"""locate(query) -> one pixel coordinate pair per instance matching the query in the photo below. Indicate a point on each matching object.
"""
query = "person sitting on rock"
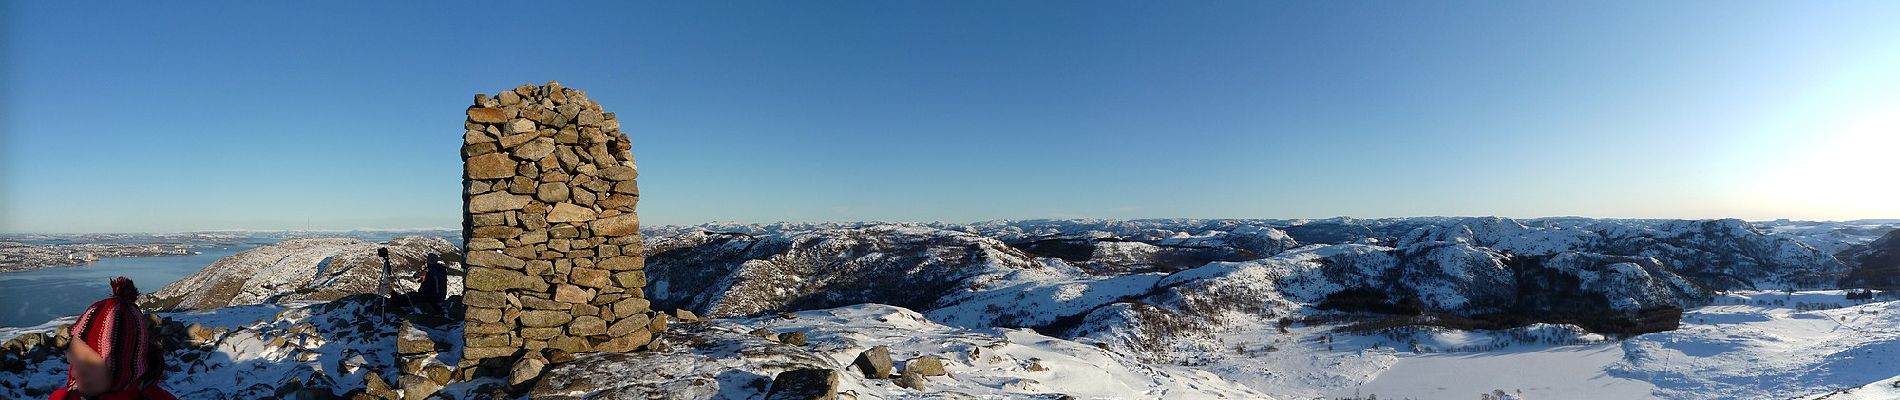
(112, 355)
(435, 281)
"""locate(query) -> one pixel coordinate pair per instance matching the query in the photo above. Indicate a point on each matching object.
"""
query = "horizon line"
(1341, 217)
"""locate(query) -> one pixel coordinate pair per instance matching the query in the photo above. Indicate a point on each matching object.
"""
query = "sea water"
(34, 297)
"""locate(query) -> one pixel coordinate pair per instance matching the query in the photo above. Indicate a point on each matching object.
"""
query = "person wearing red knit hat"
(111, 354)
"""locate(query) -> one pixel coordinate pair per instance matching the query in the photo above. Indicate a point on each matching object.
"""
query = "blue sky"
(272, 115)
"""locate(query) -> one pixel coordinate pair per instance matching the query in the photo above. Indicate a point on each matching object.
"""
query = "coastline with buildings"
(18, 256)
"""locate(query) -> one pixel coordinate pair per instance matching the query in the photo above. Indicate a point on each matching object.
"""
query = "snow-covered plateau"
(1422, 308)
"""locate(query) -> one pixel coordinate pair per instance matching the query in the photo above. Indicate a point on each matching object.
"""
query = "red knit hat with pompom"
(116, 329)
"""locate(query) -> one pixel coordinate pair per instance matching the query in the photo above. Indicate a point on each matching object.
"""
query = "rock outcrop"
(1875, 264)
(300, 270)
(717, 359)
(707, 363)
(721, 274)
(804, 384)
(874, 363)
(1113, 280)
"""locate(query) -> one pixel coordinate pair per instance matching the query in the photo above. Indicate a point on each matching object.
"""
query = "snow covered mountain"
(731, 274)
(1116, 284)
(300, 269)
(995, 273)
(1830, 236)
(1429, 308)
(1876, 263)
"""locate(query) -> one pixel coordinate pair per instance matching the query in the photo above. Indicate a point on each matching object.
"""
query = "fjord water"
(34, 297)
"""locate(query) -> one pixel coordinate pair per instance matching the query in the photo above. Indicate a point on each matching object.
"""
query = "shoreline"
(16, 256)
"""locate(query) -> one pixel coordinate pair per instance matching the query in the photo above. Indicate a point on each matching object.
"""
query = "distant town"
(26, 252)
(18, 256)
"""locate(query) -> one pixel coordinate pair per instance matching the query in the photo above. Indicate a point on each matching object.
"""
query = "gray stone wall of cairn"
(554, 254)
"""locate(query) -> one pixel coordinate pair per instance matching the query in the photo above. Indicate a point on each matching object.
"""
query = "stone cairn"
(555, 262)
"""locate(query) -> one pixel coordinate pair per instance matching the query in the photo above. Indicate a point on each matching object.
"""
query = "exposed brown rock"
(926, 366)
(568, 212)
(489, 166)
(589, 277)
(911, 380)
(621, 225)
(573, 344)
(526, 369)
(411, 340)
(630, 306)
(766, 333)
(545, 318)
(792, 338)
(629, 342)
(874, 363)
(497, 201)
(518, 126)
(619, 201)
(804, 384)
(571, 294)
(483, 314)
(473, 353)
(619, 173)
(587, 325)
(511, 141)
(487, 115)
(374, 385)
(537, 303)
(542, 333)
(535, 150)
(686, 315)
(494, 259)
(657, 323)
(494, 279)
(552, 192)
(622, 263)
(633, 279)
(628, 325)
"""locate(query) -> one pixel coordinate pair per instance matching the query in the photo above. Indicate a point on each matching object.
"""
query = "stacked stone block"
(554, 253)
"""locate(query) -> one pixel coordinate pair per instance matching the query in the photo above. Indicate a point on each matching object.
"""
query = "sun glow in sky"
(1849, 169)
(286, 115)
(1837, 146)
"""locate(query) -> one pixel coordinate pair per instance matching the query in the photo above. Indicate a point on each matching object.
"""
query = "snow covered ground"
(1737, 349)
(11, 332)
(1886, 389)
(996, 361)
(257, 351)
(1752, 351)
(1750, 345)
(719, 360)
(1536, 372)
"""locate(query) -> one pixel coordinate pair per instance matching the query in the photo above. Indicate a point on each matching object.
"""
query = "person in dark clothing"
(112, 355)
(435, 281)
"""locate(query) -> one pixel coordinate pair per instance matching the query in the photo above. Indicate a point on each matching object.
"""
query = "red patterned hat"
(116, 329)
